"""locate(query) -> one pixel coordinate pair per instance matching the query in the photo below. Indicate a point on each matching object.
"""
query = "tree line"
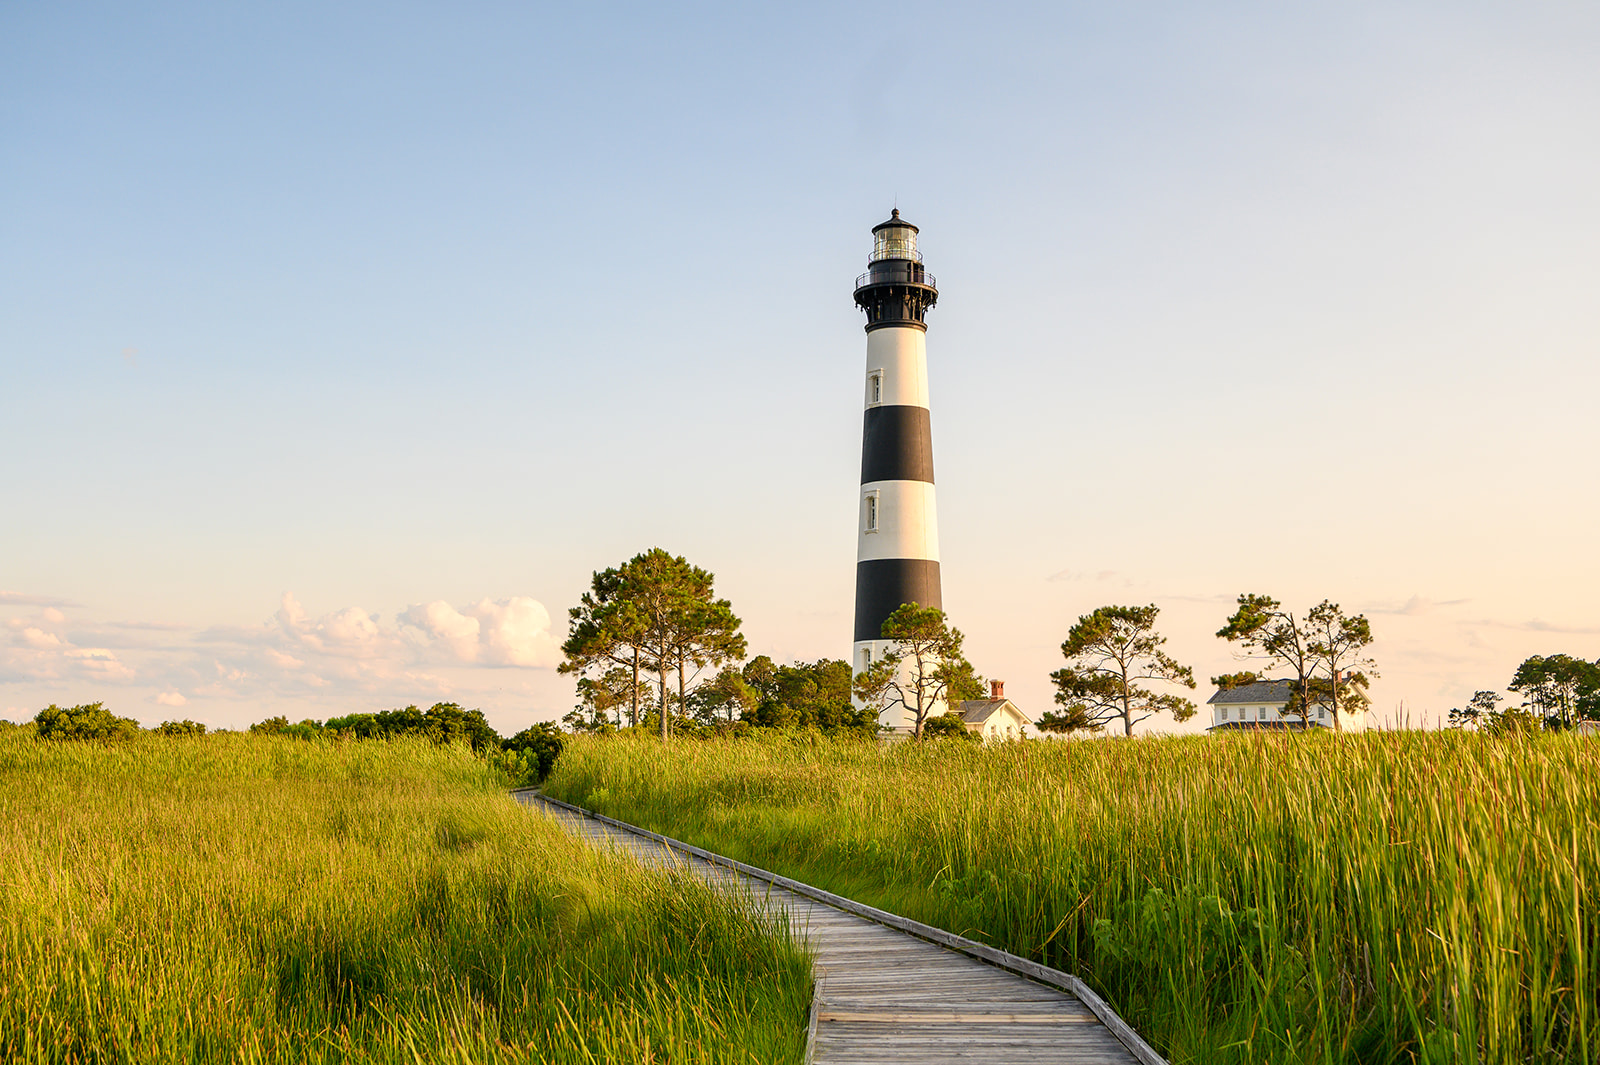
(526, 757)
(1558, 692)
(653, 648)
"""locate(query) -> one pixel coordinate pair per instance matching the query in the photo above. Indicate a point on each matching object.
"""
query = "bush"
(181, 728)
(538, 747)
(948, 725)
(441, 722)
(279, 726)
(271, 726)
(92, 721)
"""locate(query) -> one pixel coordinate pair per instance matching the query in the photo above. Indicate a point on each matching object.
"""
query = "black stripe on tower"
(897, 444)
(883, 585)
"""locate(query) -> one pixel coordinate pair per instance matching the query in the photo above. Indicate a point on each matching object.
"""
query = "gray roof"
(977, 711)
(1262, 691)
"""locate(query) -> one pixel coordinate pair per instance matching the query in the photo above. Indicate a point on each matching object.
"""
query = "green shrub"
(279, 726)
(91, 721)
(441, 723)
(181, 728)
(949, 726)
(538, 747)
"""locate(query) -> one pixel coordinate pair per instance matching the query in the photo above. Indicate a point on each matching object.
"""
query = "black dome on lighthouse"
(895, 220)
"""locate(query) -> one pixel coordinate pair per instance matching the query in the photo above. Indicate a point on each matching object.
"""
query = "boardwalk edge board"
(811, 1024)
(1001, 959)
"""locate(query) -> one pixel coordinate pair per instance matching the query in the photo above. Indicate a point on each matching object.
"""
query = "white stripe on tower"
(897, 540)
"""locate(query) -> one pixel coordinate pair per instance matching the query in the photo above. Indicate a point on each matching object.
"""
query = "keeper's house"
(994, 718)
(1264, 705)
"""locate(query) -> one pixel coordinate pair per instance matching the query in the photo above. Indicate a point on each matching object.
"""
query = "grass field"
(265, 899)
(1399, 897)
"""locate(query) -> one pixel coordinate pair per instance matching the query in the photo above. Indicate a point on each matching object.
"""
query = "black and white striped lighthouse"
(897, 531)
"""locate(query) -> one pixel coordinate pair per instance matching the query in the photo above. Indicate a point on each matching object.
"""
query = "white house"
(1263, 705)
(994, 718)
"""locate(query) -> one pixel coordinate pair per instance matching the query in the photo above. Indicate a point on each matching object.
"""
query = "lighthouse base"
(896, 720)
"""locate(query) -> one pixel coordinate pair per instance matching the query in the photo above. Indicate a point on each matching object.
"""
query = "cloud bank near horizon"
(336, 662)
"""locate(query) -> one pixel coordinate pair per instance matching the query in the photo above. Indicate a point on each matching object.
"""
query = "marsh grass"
(262, 899)
(1393, 897)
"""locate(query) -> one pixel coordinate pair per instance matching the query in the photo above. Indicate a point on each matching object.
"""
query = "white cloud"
(351, 654)
(34, 653)
(515, 632)
(439, 621)
(171, 699)
(40, 640)
(100, 663)
(349, 633)
(492, 632)
(281, 660)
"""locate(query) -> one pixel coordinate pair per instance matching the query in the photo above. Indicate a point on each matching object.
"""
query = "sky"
(340, 344)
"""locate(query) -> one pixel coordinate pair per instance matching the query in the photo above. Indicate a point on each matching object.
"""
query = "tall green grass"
(1398, 897)
(263, 899)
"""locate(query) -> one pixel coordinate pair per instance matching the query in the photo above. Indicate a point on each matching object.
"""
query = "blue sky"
(417, 315)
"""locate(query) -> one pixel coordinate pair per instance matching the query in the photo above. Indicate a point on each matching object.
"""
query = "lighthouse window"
(872, 512)
(875, 387)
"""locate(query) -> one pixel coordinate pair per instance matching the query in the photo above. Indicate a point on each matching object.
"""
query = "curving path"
(893, 990)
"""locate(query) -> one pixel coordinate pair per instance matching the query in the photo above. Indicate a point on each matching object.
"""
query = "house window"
(875, 387)
(871, 516)
(1224, 713)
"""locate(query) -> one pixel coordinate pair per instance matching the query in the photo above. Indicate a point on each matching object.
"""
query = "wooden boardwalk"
(892, 990)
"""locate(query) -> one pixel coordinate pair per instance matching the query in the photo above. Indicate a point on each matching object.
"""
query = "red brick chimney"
(997, 690)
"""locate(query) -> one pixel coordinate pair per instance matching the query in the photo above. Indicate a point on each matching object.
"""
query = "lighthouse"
(897, 531)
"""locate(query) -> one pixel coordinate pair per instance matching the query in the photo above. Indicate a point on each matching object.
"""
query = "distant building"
(1264, 706)
(994, 718)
